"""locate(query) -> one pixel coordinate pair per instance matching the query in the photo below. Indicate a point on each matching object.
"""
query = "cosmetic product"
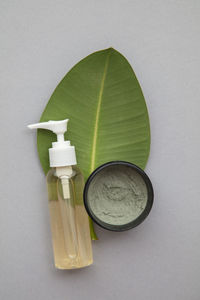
(69, 219)
(118, 195)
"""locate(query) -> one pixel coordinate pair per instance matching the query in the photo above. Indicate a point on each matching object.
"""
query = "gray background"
(40, 41)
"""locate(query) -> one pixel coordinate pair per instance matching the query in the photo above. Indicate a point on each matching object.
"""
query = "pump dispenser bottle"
(69, 220)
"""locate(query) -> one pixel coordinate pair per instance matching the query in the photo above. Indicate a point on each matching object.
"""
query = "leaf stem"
(92, 232)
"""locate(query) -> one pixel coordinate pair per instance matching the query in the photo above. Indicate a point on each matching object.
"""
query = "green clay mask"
(117, 195)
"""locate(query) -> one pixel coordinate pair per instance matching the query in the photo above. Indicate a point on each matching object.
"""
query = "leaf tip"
(110, 49)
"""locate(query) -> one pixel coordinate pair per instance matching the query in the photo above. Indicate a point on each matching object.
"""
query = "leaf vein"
(94, 143)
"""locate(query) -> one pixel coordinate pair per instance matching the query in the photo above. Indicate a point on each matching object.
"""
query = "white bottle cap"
(62, 153)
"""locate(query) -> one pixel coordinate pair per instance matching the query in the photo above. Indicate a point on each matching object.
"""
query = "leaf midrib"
(96, 125)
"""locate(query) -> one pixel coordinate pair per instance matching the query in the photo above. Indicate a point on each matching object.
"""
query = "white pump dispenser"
(62, 153)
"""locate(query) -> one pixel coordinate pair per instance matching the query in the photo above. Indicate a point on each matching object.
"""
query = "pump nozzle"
(62, 153)
(58, 127)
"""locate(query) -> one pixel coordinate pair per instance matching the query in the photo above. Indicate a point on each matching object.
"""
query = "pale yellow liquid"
(69, 223)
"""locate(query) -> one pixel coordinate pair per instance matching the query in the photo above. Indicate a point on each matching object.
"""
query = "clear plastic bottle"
(69, 221)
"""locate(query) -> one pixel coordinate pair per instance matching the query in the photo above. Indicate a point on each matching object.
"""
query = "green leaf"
(108, 116)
